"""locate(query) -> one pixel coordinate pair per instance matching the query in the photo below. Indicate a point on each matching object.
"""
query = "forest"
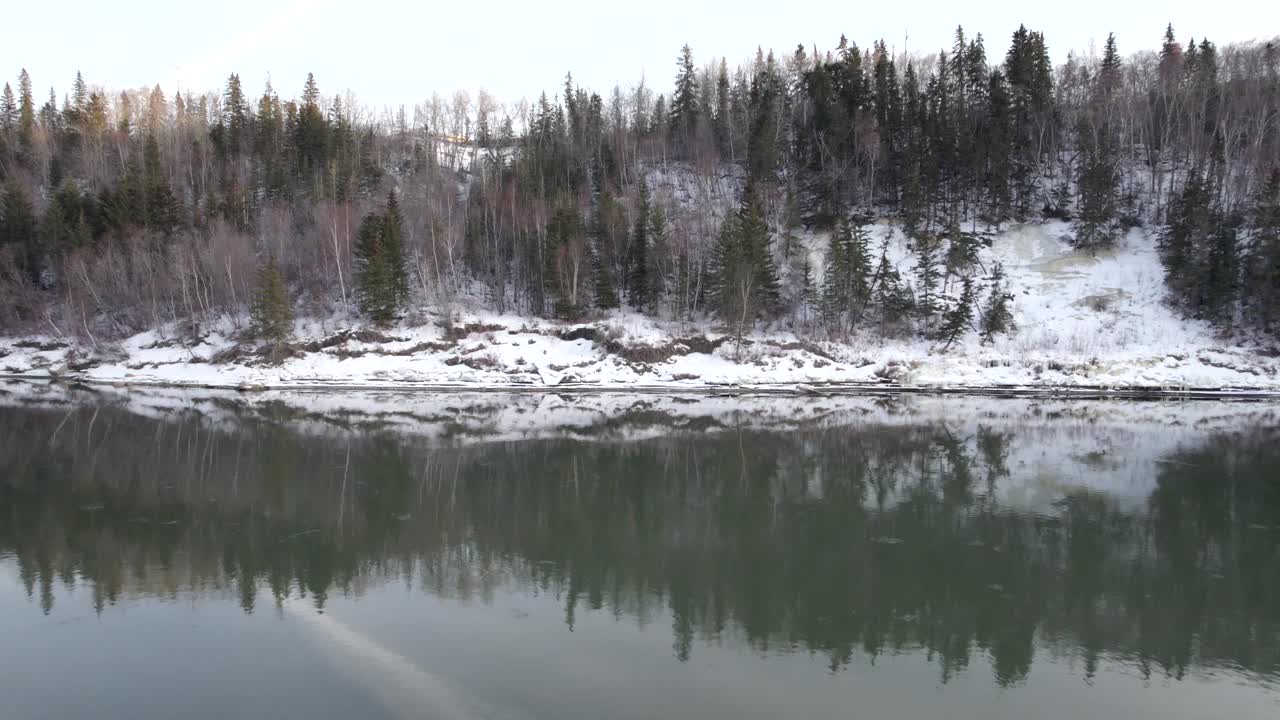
(124, 210)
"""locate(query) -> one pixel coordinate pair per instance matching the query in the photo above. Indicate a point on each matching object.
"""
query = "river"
(380, 555)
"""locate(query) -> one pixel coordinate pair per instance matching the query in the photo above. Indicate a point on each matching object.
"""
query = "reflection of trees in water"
(838, 541)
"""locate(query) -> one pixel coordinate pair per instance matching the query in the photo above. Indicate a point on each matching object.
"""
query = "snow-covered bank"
(1083, 322)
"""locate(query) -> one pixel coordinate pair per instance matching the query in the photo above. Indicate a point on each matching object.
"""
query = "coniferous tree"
(657, 280)
(606, 293)
(26, 114)
(376, 290)
(684, 102)
(1098, 178)
(808, 290)
(393, 242)
(1262, 278)
(161, 210)
(18, 231)
(997, 145)
(997, 317)
(8, 126)
(962, 250)
(1184, 239)
(758, 246)
(958, 318)
(835, 288)
(893, 298)
(271, 313)
(762, 145)
(724, 119)
(927, 281)
(638, 258)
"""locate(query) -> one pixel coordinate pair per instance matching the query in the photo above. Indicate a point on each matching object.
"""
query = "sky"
(391, 53)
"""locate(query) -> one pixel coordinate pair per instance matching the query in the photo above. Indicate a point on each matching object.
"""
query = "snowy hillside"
(1081, 322)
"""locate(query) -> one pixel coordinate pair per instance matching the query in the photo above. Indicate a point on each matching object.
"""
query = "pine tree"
(758, 246)
(1262, 279)
(723, 119)
(962, 250)
(996, 314)
(762, 145)
(684, 103)
(235, 114)
(808, 290)
(18, 230)
(657, 283)
(958, 318)
(927, 281)
(8, 122)
(1191, 220)
(846, 288)
(998, 145)
(730, 270)
(835, 279)
(26, 114)
(393, 243)
(637, 279)
(375, 280)
(162, 211)
(858, 266)
(1222, 270)
(892, 297)
(271, 313)
(606, 293)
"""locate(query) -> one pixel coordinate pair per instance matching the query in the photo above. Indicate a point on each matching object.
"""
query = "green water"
(509, 557)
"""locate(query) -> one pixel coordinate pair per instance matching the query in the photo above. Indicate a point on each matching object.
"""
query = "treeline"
(124, 211)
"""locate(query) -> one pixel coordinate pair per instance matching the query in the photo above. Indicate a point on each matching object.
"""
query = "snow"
(1082, 322)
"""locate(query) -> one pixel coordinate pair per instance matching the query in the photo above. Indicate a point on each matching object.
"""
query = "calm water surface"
(182, 555)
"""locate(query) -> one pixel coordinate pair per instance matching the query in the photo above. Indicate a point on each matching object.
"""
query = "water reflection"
(997, 539)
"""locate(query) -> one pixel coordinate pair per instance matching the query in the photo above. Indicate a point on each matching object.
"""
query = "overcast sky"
(388, 54)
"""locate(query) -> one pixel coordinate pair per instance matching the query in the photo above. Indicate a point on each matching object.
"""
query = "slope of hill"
(1082, 322)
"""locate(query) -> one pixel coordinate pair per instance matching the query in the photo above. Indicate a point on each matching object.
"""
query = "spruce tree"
(731, 274)
(1262, 279)
(997, 317)
(375, 282)
(271, 313)
(959, 317)
(19, 231)
(637, 279)
(161, 209)
(858, 266)
(606, 294)
(1184, 238)
(1095, 226)
(927, 281)
(723, 119)
(656, 281)
(758, 246)
(393, 242)
(835, 279)
(962, 250)
(684, 102)
(892, 297)
(26, 114)
(808, 291)
(8, 124)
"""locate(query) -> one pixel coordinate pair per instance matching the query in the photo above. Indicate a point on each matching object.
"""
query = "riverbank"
(1084, 324)
(628, 354)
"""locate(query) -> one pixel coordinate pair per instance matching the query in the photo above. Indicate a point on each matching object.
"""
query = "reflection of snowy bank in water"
(1032, 452)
